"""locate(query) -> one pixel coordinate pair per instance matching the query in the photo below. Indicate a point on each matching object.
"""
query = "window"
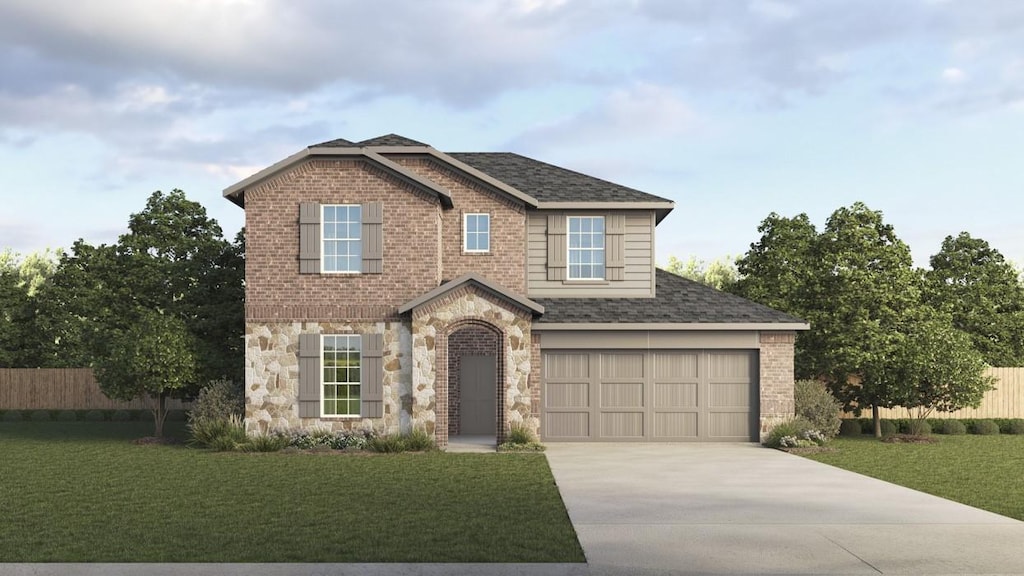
(342, 227)
(586, 247)
(341, 364)
(476, 233)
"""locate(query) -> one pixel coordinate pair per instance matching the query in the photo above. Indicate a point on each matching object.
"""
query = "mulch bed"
(910, 439)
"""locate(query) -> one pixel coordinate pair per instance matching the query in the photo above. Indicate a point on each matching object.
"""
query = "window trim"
(323, 245)
(323, 399)
(465, 233)
(568, 250)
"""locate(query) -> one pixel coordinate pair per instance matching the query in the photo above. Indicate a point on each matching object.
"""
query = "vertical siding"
(638, 273)
(1006, 401)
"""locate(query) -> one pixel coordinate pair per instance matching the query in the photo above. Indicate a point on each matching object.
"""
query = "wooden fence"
(1006, 401)
(62, 389)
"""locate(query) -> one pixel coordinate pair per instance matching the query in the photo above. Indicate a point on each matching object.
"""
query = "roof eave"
(471, 278)
(660, 208)
(677, 326)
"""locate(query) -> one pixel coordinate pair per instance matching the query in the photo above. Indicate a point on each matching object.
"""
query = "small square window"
(476, 233)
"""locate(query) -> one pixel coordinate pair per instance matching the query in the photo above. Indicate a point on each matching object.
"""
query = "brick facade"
(776, 374)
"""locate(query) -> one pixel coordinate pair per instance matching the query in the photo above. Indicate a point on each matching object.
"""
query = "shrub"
(419, 441)
(12, 416)
(121, 416)
(1016, 426)
(795, 433)
(67, 416)
(220, 399)
(388, 443)
(889, 428)
(954, 427)
(528, 447)
(266, 443)
(815, 403)
(94, 416)
(221, 434)
(985, 427)
(40, 416)
(520, 434)
(850, 428)
(918, 428)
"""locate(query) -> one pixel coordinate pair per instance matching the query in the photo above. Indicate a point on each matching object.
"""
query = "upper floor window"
(476, 233)
(586, 247)
(342, 229)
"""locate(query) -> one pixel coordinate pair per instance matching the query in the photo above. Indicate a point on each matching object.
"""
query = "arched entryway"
(475, 371)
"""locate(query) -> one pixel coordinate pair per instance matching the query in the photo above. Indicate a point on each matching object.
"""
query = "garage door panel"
(568, 395)
(566, 366)
(675, 395)
(677, 425)
(567, 425)
(622, 394)
(622, 425)
(730, 395)
(733, 366)
(675, 365)
(733, 425)
(622, 366)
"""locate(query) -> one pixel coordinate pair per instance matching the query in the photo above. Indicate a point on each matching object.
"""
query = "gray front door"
(477, 387)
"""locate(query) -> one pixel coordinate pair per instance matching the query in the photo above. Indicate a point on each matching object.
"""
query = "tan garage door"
(670, 395)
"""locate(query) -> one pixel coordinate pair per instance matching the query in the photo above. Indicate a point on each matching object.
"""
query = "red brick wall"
(505, 264)
(274, 287)
(776, 367)
(469, 341)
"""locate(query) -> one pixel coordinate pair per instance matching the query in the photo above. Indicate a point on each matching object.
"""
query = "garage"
(650, 395)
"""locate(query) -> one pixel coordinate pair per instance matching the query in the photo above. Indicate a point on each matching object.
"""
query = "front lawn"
(81, 492)
(980, 471)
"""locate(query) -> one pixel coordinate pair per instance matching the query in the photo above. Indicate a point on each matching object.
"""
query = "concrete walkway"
(743, 509)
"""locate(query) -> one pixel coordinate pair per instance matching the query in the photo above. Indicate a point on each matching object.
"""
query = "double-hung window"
(586, 248)
(342, 238)
(341, 366)
(476, 235)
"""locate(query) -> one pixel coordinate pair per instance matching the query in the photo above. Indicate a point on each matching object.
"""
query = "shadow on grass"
(88, 431)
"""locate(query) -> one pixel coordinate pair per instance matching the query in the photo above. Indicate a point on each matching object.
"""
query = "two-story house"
(393, 286)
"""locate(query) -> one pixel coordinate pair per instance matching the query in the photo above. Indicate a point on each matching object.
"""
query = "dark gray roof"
(385, 140)
(550, 183)
(678, 301)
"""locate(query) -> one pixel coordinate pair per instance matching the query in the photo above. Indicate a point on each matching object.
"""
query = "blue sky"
(733, 109)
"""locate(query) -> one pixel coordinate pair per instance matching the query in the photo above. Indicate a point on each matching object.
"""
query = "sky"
(732, 109)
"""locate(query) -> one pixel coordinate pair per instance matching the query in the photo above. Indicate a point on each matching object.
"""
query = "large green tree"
(13, 300)
(983, 293)
(154, 358)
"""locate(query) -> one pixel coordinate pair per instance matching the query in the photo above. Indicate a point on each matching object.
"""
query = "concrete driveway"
(744, 509)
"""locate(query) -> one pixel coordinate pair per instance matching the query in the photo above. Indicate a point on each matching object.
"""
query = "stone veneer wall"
(776, 378)
(272, 376)
(469, 341)
(434, 322)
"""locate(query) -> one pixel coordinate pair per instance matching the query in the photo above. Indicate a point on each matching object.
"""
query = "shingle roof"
(385, 140)
(678, 301)
(550, 183)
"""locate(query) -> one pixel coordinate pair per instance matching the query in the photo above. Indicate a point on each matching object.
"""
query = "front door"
(477, 386)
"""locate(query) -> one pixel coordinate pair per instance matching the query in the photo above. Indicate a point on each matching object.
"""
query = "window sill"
(586, 282)
(477, 253)
(337, 417)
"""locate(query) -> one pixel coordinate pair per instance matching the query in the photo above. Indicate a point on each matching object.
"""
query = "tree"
(778, 269)
(863, 286)
(720, 273)
(12, 303)
(937, 368)
(983, 292)
(153, 358)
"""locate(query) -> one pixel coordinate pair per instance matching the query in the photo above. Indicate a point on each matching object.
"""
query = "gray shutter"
(309, 238)
(615, 247)
(309, 376)
(373, 238)
(371, 377)
(556, 247)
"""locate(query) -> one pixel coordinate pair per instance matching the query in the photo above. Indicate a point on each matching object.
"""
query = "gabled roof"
(385, 140)
(679, 301)
(473, 279)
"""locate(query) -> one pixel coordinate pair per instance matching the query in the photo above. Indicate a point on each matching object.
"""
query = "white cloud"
(953, 75)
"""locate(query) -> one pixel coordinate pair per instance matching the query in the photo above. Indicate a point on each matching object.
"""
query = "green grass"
(980, 471)
(81, 492)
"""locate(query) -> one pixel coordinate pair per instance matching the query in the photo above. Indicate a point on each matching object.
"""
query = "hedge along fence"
(63, 389)
(1006, 401)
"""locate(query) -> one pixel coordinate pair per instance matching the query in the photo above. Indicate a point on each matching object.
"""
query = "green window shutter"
(309, 238)
(615, 246)
(310, 378)
(371, 376)
(556, 247)
(373, 238)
